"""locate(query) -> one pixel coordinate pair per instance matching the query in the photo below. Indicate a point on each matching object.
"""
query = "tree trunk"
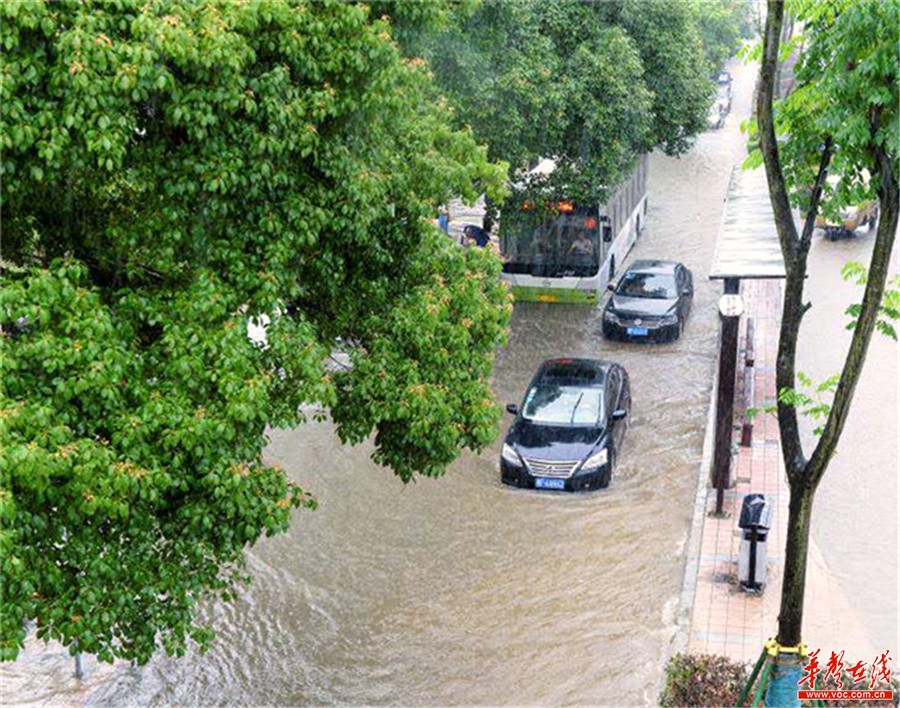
(790, 615)
(804, 474)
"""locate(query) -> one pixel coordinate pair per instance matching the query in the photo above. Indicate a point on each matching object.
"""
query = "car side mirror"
(619, 414)
(512, 408)
(611, 288)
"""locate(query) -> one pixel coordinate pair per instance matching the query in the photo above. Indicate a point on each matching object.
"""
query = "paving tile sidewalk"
(723, 618)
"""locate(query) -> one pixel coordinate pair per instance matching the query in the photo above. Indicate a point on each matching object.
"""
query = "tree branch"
(792, 250)
(781, 206)
(816, 195)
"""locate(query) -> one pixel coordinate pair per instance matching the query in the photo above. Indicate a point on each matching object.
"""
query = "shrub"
(703, 680)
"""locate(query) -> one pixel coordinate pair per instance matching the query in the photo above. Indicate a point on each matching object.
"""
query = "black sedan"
(569, 428)
(650, 303)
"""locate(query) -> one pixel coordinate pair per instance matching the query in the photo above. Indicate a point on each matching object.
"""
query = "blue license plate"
(545, 483)
(637, 331)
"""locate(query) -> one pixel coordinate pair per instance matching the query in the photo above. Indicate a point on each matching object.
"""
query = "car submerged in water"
(650, 303)
(569, 428)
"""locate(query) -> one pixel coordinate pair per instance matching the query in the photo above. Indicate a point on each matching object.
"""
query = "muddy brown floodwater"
(459, 590)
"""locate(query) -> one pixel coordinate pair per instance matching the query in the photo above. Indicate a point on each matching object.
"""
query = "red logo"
(877, 672)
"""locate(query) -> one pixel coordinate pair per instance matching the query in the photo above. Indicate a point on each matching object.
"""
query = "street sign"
(731, 306)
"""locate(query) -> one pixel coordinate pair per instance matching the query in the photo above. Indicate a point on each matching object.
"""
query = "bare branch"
(816, 195)
(781, 206)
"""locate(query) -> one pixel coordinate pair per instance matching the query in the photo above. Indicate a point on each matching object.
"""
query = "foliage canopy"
(590, 84)
(170, 172)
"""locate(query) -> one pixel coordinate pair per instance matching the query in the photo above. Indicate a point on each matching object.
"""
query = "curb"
(684, 612)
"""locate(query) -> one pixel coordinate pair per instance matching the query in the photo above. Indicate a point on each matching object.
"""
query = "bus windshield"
(561, 244)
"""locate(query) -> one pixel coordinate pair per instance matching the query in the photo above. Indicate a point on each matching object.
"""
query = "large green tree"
(503, 76)
(172, 171)
(676, 71)
(842, 119)
(530, 86)
(722, 25)
(591, 84)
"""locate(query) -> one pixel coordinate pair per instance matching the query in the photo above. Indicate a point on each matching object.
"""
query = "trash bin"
(755, 522)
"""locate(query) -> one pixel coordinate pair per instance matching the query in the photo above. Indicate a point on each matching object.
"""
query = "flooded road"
(459, 590)
(855, 522)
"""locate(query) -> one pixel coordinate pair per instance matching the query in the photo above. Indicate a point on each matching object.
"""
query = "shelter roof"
(748, 245)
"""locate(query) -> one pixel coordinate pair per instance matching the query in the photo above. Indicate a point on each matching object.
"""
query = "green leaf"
(135, 405)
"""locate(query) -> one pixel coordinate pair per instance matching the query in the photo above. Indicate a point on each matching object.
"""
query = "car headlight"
(610, 316)
(598, 459)
(510, 455)
(669, 320)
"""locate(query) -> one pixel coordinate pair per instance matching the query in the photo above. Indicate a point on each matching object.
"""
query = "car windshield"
(564, 405)
(650, 285)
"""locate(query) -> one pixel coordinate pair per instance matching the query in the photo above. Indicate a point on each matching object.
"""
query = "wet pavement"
(459, 590)
(724, 618)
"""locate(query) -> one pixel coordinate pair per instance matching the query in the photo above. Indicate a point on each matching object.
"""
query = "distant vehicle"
(715, 118)
(570, 427)
(650, 303)
(563, 251)
(851, 219)
(723, 100)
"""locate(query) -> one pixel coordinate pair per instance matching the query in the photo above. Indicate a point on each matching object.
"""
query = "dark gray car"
(650, 303)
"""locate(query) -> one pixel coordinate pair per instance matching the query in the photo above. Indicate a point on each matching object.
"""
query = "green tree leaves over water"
(723, 24)
(589, 84)
(171, 171)
(847, 92)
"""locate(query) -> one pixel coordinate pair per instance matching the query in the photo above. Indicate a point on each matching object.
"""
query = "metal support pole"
(763, 655)
(732, 286)
(754, 539)
(730, 309)
(762, 685)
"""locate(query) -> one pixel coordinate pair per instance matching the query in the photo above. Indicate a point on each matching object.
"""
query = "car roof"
(573, 372)
(653, 266)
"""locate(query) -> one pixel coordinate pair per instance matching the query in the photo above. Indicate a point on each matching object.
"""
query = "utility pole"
(730, 309)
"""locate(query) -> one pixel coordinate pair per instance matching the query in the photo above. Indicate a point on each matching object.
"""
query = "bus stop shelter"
(747, 248)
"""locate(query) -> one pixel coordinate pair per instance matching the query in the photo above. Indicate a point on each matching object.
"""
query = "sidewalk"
(723, 618)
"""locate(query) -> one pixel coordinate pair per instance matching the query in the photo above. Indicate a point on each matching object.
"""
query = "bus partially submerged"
(567, 251)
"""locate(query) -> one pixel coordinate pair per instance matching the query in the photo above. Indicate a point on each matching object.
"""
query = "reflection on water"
(460, 590)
